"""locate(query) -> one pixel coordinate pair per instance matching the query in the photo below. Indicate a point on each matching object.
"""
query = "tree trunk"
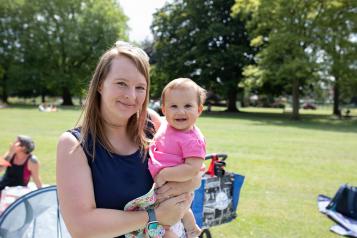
(336, 98)
(67, 97)
(4, 95)
(242, 99)
(232, 99)
(296, 99)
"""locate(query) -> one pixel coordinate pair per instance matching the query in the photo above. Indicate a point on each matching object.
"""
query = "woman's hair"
(92, 122)
(26, 142)
(185, 83)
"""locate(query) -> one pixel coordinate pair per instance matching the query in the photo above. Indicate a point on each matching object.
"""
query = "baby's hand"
(159, 180)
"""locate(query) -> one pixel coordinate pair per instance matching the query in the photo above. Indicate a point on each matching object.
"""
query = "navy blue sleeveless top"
(117, 179)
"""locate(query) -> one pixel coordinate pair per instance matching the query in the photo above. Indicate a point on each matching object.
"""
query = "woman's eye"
(141, 88)
(121, 84)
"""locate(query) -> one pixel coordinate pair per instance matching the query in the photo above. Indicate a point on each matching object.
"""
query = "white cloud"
(140, 17)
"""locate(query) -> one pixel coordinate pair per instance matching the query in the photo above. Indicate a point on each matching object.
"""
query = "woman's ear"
(100, 88)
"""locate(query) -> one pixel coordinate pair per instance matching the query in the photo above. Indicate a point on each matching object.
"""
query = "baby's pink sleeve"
(194, 148)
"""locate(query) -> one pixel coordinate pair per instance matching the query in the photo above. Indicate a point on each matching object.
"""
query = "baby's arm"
(180, 173)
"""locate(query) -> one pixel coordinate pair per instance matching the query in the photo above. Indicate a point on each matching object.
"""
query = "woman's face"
(123, 91)
(17, 146)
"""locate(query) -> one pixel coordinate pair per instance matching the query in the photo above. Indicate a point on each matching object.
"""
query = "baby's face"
(181, 108)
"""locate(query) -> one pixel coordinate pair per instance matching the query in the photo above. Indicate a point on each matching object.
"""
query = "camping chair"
(36, 214)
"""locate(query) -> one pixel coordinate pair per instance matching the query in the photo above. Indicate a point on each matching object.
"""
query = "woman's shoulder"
(33, 158)
(68, 139)
(68, 146)
(76, 132)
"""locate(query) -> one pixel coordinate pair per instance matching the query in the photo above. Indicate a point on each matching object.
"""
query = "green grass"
(286, 163)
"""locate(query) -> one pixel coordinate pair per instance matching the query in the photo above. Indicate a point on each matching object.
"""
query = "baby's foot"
(194, 232)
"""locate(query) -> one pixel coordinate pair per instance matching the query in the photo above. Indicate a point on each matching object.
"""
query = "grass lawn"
(286, 163)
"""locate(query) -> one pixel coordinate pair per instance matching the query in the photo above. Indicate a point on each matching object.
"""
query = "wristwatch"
(152, 227)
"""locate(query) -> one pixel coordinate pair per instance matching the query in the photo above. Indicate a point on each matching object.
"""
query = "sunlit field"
(286, 163)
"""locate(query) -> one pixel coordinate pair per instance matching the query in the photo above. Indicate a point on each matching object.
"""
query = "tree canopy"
(201, 40)
(298, 41)
(51, 47)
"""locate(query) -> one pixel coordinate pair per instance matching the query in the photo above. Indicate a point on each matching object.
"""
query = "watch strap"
(153, 228)
(152, 215)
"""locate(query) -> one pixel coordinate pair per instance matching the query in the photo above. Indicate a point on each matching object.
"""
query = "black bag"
(345, 201)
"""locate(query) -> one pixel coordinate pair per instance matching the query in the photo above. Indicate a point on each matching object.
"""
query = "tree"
(200, 40)
(336, 34)
(299, 40)
(283, 31)
(10, 25)
(61, 40)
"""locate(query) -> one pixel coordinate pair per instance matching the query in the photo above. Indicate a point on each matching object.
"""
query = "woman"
(109, 168)
(21, 164)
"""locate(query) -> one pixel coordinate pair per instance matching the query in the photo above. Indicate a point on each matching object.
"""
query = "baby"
(178, 148)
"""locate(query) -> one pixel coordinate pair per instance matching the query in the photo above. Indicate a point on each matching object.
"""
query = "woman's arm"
(8, 155)
(34, 167)
(77, 203)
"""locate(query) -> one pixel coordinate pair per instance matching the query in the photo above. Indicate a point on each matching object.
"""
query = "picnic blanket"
(345, 226)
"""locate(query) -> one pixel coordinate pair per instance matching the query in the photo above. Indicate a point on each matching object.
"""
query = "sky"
(140, 17)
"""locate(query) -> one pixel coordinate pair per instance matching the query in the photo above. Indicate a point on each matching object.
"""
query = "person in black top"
(102, 164)
(20, 164)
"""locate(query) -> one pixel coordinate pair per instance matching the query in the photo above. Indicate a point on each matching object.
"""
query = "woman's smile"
(130, 105)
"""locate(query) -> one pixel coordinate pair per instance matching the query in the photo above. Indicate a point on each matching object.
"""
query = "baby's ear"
(163, 109)
(200, 108)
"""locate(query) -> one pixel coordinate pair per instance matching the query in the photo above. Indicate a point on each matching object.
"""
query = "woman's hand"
(12, 148)
(170, 211)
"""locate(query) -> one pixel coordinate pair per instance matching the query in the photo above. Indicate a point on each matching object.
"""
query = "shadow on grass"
(314, 122)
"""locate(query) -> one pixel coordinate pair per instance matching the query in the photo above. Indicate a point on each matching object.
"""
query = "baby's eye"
(188, 106)
(173, 106)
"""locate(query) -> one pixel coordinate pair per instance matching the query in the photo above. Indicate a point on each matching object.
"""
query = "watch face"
(152, 225)
(155, 230)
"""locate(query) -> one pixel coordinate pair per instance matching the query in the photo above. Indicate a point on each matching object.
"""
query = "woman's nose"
(130, 93)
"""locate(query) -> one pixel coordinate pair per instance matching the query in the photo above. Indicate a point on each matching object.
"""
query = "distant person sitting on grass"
(2, 105)
(20, 164)
(44, 108)
(52, 108)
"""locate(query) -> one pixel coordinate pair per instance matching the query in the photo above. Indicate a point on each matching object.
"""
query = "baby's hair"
(182, 83)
